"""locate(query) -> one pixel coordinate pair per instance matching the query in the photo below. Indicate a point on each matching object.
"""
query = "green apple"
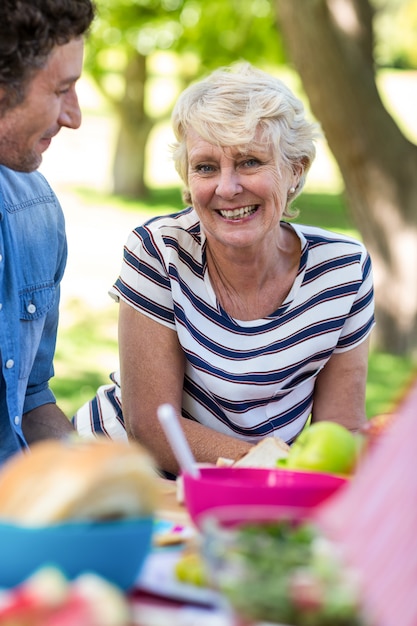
(324, 447)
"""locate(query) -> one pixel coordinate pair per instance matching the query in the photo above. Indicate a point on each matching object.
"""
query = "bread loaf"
(78, 479)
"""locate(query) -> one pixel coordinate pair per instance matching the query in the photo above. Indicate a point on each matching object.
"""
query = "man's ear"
(3, 100)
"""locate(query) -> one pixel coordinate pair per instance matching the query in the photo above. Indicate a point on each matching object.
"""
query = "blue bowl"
(114, 550)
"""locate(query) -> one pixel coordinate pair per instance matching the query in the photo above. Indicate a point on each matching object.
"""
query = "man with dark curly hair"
(41, 55)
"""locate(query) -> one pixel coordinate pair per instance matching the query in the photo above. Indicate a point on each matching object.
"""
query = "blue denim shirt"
(33, 254)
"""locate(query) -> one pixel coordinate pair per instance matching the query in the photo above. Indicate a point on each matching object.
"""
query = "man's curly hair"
(29, 30)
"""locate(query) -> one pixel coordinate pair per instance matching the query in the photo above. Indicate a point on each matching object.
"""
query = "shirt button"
(31, 308)
(17, 420)
(1, 258)
(9, 363)
(1, 306)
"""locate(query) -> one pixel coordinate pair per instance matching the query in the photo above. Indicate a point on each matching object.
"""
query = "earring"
(292, 190)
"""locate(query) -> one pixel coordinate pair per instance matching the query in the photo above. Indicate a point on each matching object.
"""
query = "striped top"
(249, 379)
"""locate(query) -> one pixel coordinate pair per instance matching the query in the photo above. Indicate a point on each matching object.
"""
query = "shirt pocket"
(36, 301)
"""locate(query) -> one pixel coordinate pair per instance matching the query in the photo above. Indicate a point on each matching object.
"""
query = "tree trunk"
(129, 159)
(330, 43)
(135, 127)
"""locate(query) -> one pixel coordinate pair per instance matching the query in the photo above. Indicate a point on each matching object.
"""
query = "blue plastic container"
(115, 550)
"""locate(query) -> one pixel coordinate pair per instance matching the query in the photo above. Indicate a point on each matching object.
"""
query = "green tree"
(203, 35)
(332, 45)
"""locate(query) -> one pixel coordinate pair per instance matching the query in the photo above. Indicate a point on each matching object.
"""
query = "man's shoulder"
(20, 187)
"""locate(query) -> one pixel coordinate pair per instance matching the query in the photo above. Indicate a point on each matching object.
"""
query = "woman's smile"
(239, 213)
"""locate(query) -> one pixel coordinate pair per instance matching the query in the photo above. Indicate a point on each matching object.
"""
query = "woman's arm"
(341, 386)
(152, 373)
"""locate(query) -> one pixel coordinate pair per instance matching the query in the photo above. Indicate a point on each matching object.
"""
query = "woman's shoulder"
(184, 220)
(316, 236)
(174, 230)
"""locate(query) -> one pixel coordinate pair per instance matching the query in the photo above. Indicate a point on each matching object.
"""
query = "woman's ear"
(298, 168)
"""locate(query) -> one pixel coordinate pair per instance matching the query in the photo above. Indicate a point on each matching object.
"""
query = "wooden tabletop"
(170, 507)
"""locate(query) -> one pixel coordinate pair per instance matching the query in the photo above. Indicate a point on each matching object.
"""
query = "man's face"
(50, 103)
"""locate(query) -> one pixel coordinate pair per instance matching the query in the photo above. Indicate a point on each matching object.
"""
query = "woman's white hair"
(231, 104)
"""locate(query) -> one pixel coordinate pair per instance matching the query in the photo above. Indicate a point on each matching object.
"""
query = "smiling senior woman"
(245, 323)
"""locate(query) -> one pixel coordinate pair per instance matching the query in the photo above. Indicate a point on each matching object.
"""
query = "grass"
(86, 354)
(87, 345)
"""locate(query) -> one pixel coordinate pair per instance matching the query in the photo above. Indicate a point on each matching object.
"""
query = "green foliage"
(214, 31)
(203, 34)
(389, 377)
(227, 31)
(395, 26)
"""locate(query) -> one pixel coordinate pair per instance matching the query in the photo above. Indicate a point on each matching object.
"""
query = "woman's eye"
(204, 168)
(250, 163)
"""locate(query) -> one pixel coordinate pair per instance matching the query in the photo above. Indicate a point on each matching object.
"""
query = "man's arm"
(45, 422)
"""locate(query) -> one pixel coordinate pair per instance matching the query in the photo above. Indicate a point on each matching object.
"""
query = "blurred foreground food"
(375, 428)
(282, 573)
(48, 599)
(78, 479)
(324, 446)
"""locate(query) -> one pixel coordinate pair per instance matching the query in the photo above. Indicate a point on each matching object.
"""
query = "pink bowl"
(236, 495)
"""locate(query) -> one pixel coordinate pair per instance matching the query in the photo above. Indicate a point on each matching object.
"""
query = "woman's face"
(239, 197)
